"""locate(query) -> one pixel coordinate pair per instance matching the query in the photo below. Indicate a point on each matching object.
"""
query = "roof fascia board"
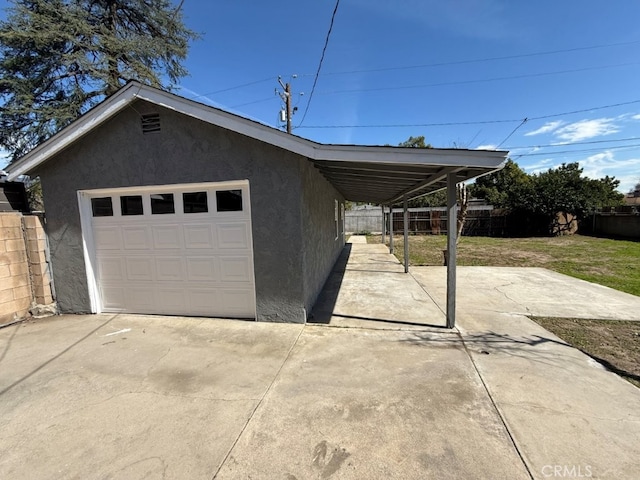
(307, 148)
(409, 156)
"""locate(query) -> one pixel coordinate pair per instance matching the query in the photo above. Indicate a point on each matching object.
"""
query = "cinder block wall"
(24, 274)
(36, 242)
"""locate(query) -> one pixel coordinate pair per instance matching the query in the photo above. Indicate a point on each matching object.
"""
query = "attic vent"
(150, 123)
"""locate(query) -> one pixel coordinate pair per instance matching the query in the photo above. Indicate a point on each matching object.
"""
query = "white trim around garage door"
(89, 241)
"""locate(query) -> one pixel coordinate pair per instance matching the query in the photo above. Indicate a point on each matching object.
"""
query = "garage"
(172, 249)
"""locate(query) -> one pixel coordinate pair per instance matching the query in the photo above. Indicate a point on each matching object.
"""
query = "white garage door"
(174, 249)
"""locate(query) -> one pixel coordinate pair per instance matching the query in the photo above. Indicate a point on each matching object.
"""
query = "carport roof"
(361, 173)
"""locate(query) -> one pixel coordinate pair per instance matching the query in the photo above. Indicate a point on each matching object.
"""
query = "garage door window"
(229, 200)
(195, 202)
(162, 203)
(131, 205)
(102, 207)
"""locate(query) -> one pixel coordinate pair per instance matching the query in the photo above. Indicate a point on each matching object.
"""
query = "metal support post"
(406, 236)
(384, 224)
(452, 217)
(391, 229)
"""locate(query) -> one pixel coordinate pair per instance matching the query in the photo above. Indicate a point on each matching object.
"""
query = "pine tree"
(58, 58)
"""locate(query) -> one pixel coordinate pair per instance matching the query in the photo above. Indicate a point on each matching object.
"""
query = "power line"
(585, 150)
(479, 60)
(481, 80)
(569, 144)
(405, 125)
(234, 88)
(542, 117)
(512, 132)
(324, 49)
(478, 122)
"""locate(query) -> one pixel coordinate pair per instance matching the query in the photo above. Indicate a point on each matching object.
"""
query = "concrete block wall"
(36, 242)
(24, 274)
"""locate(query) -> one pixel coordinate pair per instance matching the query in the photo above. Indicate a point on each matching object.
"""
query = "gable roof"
(367, 173)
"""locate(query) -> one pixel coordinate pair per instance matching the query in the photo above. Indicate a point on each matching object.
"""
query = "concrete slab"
(122, 396)
(529, 291)
(369, 289)
(131, 396)
(358, 403)
(357, 239)
(569, 417)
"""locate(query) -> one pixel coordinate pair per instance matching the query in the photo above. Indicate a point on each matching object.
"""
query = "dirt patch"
(615, 344)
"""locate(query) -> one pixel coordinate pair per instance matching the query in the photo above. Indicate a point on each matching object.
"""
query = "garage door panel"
(202, 269)
(107, 238)
(235, 269)
(140, 269)
(178, 263)
(203, 300)
(141, 297)
(167, 237)
(169, 269)
(233, 235)
(135, 237)
(111, 269)
(198, 236)
(171, 300)
(235, 301)
(113, 298)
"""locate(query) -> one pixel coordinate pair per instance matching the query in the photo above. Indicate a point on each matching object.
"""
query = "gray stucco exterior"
(292, 204)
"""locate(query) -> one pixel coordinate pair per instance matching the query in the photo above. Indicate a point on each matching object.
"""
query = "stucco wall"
(321, 248)
(117, 154)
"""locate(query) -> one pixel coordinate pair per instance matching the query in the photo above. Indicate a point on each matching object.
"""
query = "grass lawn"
(613, 263)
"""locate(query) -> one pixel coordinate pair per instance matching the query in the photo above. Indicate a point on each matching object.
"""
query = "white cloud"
(486, 147)
(585, 129)
(540, 166)
(604, 163)
(546, 128)
(636, 117)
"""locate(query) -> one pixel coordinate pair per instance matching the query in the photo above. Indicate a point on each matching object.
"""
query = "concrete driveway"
(379, 390)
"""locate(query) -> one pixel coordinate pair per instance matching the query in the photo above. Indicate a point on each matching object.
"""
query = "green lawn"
(613, 263)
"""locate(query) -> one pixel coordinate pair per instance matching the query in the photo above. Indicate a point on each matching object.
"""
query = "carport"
(368, 175)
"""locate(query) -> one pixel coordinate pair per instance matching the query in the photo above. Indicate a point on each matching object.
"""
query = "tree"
(58, 58)
(506, 188)
(415, 142)
(542, 196)
(564, 189)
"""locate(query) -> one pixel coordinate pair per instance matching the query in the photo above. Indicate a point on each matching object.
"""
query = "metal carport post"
(391, 229)
(406, 234)
(452, 232)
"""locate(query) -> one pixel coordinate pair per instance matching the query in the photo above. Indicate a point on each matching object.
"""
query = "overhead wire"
(480, 80)
(477, 122)
(580, 151)
(478, 60)
(324, 50)
(568, 144)
(512, 132)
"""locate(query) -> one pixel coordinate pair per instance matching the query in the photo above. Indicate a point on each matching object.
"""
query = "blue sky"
(409, 66)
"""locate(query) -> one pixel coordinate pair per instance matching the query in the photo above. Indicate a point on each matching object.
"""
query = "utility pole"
(288, 111)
